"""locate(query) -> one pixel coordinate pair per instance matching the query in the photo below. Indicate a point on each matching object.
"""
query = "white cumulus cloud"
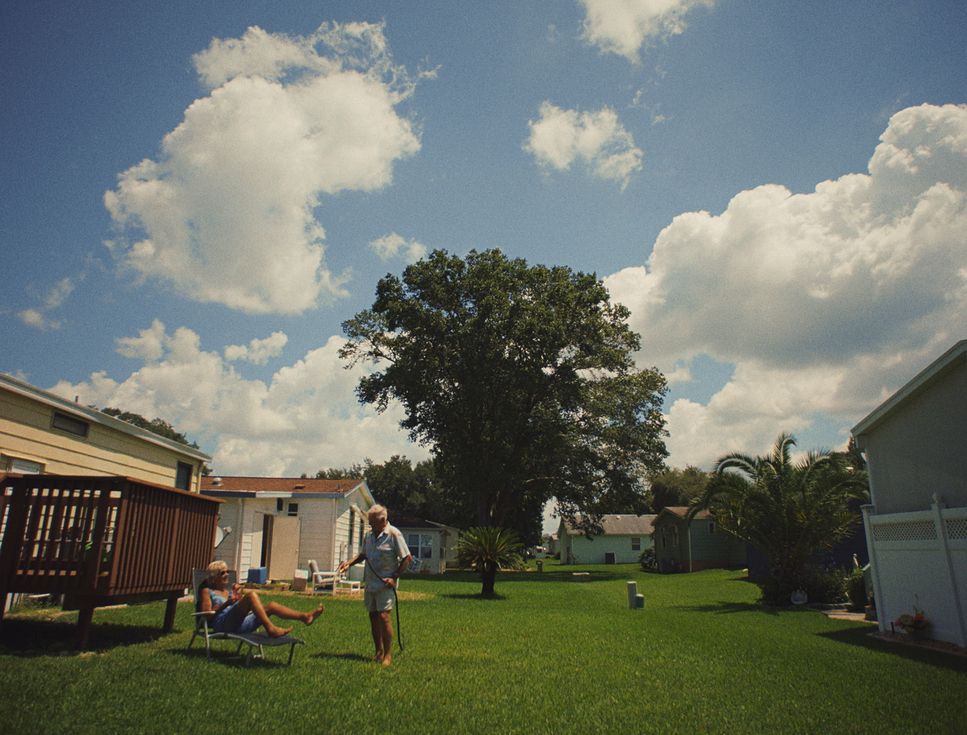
(304, 418)
(225, 214)
(558, 138)
(258, 351)
(825, 301)
(622, 27)
(394, 245)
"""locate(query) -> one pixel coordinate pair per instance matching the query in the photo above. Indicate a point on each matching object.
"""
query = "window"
(711, 527)
(23, 466)
(293, 509)
(421, 545)
(183, 476)
(352, 526)
(279, 505)
(636, 543)
(70, 424)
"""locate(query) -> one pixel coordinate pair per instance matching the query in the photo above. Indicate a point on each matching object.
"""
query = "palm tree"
(487, 549)
(788, 510)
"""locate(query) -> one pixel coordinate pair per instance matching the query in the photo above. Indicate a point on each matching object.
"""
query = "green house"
(689, 545)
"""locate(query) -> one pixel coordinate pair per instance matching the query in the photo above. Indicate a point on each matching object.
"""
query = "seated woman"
(239, 611)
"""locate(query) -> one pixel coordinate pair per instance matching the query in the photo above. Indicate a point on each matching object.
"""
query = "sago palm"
(487, 549)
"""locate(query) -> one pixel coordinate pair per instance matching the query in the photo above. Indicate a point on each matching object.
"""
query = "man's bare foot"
(276, 632)
(311, 617)
(378, 657)
(387, 661)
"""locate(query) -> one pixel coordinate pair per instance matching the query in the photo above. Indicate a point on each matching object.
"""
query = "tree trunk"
(488, 578)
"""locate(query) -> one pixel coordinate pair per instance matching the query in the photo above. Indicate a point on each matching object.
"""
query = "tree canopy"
(156, 425)
(520, 379)
(677, 487)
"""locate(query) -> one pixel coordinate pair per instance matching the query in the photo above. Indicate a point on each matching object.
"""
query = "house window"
(279, 505)
(636, 543)
(183, 476)
(293, 509)
(711, 527)
(352, 526)
(70, 424)
(421, 545)
(23, 466)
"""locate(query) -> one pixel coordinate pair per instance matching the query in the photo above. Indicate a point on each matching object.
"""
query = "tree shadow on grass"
(725, 608)
(474, 596)
(865, 638)
(23, 637)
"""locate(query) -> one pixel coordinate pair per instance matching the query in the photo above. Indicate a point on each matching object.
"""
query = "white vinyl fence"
(920, 559)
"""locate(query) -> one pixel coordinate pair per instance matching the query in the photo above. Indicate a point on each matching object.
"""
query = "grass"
(551, 655)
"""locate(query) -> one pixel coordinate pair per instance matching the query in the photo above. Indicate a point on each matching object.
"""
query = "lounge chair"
(254, 641)
(330, 581)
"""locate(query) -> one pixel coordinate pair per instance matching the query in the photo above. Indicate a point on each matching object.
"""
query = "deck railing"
(100, 540)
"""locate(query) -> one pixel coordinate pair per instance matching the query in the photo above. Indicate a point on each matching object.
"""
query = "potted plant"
(914, 624)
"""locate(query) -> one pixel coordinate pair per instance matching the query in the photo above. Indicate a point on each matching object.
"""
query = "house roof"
(19, 387)
(401, 520)
(956, 355)
(615, 524)
(680, 511)
(279, 487)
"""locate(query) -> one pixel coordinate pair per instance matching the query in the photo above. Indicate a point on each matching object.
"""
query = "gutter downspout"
(240, 537)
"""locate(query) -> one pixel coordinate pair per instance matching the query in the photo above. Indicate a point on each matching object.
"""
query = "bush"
(648, 561)
(856, 589)
(820, 586)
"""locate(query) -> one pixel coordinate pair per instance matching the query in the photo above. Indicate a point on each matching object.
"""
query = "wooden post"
(84, 616)
(12, 544)
(170, 608)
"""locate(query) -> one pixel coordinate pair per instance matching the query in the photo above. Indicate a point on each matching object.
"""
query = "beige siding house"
(40, 432)
(623, 539)
(282, 522)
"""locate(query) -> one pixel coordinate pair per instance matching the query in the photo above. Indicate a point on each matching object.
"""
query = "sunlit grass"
(550, 655)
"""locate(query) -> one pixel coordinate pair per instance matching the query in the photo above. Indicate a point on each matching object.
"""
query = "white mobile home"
(282, 522)
(622, 540)
(916, 526)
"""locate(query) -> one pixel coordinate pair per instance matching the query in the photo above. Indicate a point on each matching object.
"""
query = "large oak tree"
(521, 380)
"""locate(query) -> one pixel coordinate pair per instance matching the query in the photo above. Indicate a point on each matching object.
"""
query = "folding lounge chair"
(329, 581)
(254, 641)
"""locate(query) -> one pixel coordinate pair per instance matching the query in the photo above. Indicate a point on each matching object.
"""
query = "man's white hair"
(376, 511)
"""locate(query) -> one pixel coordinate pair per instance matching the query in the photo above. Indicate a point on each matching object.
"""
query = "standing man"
(387, 557)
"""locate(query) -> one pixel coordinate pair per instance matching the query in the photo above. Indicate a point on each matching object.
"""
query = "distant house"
(915, 444)
(282, 522)
(623, 539)
(433, 545)
(42, 433)
(690, 545)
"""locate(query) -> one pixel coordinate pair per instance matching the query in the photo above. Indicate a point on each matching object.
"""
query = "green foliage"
(677, 487)
(821, 586)
(354, 472)
(648, 561)
(521, 380)
(488, 549)
(155, 426)
(856, 589)
(789, 510)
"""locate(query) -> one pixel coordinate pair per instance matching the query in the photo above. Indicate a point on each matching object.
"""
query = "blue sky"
(194, 196)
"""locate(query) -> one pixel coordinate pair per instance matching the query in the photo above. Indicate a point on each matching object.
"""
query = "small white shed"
(915, 445)
(623, 539)
(283, 522)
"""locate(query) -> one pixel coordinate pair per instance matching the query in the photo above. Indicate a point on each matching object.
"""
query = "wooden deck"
(101, 541)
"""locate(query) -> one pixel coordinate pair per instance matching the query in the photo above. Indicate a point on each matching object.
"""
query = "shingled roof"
(228, 486)
(621, 525)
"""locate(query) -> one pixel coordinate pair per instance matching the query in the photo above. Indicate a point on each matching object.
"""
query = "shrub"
(648, 561)
(820, 586)
(856, 589)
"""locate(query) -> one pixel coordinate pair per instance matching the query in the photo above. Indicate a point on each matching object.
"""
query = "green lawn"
(553, 655)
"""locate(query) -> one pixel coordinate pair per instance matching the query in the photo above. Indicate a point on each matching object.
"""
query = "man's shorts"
(379, 600)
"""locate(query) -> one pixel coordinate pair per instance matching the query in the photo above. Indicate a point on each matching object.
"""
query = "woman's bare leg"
(251, 603)
(281, 611)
